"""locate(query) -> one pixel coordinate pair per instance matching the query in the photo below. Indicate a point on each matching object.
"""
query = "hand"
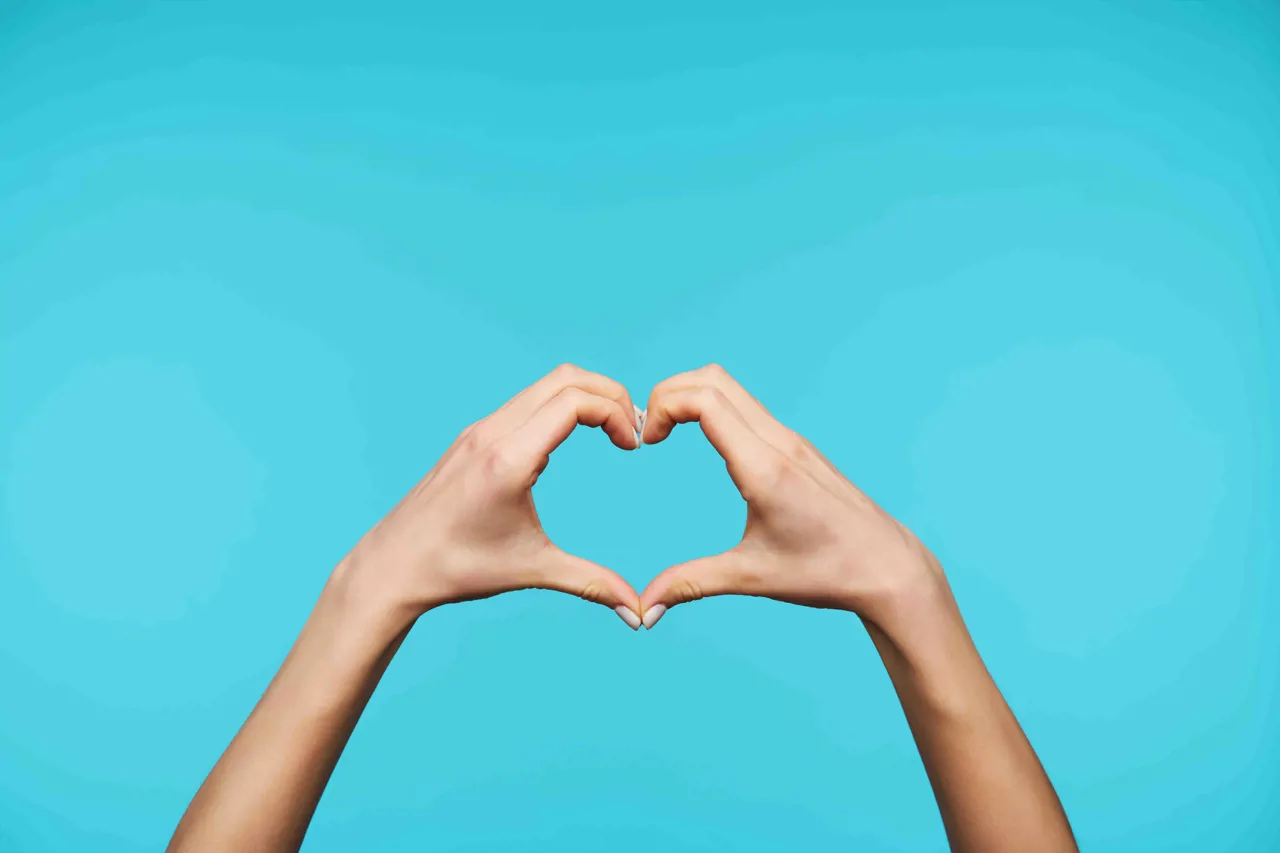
(470, 530)
(811, 538)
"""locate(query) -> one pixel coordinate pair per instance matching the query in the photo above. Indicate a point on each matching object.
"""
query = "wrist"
(342, 650)
(909, 590)
(369, 600)
(912, 600)
(926, 647)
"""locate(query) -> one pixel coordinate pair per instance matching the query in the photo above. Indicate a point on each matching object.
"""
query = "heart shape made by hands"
(811, 536)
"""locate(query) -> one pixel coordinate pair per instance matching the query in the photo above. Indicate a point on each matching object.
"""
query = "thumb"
(718, 575)
(565, 572)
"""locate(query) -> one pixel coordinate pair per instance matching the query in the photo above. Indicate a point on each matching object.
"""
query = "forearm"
(263, 791)
(991, 790)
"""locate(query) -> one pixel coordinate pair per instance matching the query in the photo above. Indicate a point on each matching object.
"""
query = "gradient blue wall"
(1013, 267)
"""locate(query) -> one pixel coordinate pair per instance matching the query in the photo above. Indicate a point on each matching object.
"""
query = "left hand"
(470, 530)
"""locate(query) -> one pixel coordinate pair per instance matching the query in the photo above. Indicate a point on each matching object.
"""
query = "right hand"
(811, 538)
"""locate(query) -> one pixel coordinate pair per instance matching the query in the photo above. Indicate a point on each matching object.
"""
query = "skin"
(469, 530)
(812, 538)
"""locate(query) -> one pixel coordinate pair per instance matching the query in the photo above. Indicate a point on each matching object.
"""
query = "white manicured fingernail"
(639, 413)
(653, 614)
(629, 616)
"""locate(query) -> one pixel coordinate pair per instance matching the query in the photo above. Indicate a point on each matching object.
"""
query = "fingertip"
(653, 614)
(657, 424)
(624, 596)
(641, 417)
(621, 432)
(629, 616)
(623, 438)
(653, 595)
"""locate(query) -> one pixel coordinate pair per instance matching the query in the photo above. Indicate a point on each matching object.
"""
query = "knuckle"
(572, 396)
(686, 589)
(616, 389)
(749, 578)
(662, 389)
(593, 591)
(715, 372)
(472, 438)
(566, 371)
(502, 461)
(709, 397)
(773, 470)
(777, 467)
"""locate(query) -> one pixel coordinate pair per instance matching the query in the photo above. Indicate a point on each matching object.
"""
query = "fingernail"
(653, 614)
(639, 413)
(629, 616)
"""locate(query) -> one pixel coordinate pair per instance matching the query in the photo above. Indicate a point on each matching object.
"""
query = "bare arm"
(813, 538)
(468, 530)
(991, 789)
(262, 792)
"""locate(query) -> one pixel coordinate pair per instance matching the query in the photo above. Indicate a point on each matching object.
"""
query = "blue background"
(1012, 267)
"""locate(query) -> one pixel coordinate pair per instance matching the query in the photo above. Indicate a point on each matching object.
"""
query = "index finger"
(529, 445)
(752, 410)
(524, 405)
(786, 440)
(745, 453)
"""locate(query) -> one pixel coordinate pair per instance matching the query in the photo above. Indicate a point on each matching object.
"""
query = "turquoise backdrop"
(1013, 267)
